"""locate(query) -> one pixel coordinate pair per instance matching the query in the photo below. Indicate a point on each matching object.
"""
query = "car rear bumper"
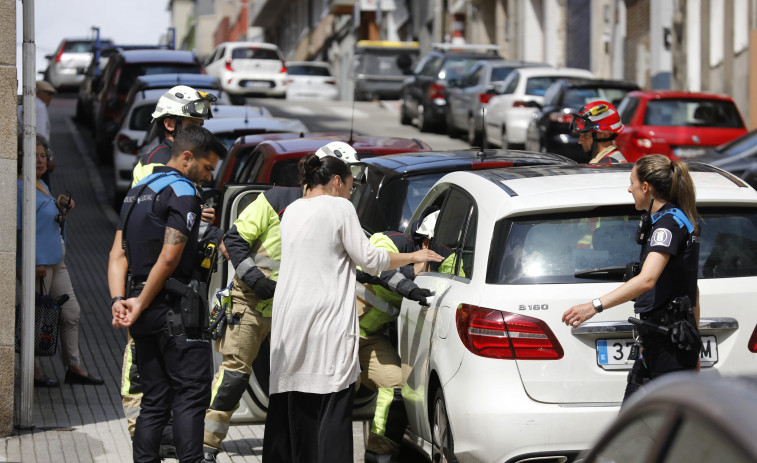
(255, 85)
(384, 89)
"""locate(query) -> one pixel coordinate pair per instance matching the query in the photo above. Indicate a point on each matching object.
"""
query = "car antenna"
(352, 122)
(481, 153)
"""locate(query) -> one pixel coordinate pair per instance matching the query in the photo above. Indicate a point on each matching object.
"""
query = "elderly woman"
(51, 269)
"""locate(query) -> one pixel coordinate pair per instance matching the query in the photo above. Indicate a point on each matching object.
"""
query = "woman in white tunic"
(314, 328)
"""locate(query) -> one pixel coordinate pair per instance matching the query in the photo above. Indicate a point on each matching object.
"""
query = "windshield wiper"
(605, 273)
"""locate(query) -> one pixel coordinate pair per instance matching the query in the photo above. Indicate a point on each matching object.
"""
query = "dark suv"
(423, 93)
(120, 74)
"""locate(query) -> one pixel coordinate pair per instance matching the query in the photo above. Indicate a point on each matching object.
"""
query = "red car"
(680, 125)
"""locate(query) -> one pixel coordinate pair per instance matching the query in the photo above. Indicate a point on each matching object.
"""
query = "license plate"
(689, 152)
(257, 84)
(615, 354)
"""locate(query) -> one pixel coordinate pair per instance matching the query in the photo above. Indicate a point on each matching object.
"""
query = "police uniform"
(671, 233)
(254, 247)
(609, 155)
(174, 371)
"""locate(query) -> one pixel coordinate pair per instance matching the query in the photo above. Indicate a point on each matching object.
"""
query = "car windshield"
(692, 113)
(298, 70)
(578, 97)
(543, 250)
(254, 53)
(78, 46)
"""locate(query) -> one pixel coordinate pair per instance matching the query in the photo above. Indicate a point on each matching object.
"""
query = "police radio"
(645, 225)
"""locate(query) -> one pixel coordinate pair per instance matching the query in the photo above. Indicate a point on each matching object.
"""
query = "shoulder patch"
(661, 237)
(191, 217)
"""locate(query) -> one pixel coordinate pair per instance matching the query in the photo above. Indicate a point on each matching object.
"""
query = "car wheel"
(503, 138)
(442, 445)
(405, 119)
(474, 136)
(423, 124)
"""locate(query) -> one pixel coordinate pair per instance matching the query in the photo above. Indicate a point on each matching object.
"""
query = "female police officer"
(669, 236)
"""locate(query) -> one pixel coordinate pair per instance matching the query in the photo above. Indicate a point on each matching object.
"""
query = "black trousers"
(660, 356)
(176, 376)
(309, 428)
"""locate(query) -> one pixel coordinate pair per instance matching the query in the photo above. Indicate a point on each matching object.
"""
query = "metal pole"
(29, 219)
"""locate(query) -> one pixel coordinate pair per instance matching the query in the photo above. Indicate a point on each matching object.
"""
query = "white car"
(493, 375)
(519, 97)
(311, 80)
(66, 67)
(248, 69)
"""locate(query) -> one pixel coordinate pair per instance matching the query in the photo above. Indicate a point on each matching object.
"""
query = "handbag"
(46, 323)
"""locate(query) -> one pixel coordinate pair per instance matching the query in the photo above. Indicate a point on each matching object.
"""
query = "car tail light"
(126, 144)
(490, 164)
(228, 65)
(485, 97)
(290, 81)
(283, 67)
(62, 47)
(520, 104)
(560, 117)
(436, 91)
(330, 82)
(504, 335)
(753, 341)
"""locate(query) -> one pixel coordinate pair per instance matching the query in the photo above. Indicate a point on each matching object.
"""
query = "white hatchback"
(248, 69)
(509, 111)
(311, 80)
(493, 375)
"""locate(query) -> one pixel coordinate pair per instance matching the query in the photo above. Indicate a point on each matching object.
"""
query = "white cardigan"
(314, 328)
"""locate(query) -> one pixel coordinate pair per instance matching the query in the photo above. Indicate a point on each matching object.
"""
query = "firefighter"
(254, 247)
(598, 125)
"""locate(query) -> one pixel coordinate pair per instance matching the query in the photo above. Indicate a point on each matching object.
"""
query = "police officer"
(665, 289)
(378, 303)
(598, 125)
(156, 244)
(178, 108)
(254, 247)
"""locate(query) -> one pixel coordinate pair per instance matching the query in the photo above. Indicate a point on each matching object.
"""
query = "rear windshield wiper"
(605, 273)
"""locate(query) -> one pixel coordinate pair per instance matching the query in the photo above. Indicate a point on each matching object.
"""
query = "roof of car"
(360, 142)
(395, 165)
(584, 82)
(550, 71)
(158, 56)
(662, 94)
(264, 124)
(166, 81)
(271, 46)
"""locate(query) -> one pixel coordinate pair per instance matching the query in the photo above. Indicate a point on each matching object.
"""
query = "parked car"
(123, 68)
(684, 417)
(67, 65)
(680, 125)
(311, 80)
(248, 69)
(388, 189)
(738, 157)
(549, 127)
(517, 98)
(467, 97)
(492, 372)
(423, 93)
(381, 66)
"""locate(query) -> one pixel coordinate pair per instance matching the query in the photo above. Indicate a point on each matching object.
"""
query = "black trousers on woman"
(301, 427)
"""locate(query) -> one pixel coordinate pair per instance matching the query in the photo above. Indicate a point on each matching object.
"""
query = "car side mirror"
(535, 104)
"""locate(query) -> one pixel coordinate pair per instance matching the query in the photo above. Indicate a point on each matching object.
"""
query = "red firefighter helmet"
(597, 116)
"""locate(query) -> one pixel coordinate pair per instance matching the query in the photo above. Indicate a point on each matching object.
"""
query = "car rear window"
(499, 74)
(578, 97)
(308, 71)
(456, 68)
(141, 117)
(132, 71)
(692, 113)
(254, 53)
(538, 86)
(384, 63)
(552, 249)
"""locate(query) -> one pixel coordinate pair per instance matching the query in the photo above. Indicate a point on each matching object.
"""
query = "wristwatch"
(597, 305)
(116, 299)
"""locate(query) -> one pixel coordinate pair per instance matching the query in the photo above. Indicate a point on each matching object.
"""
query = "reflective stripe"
(373, 300)
(245, 266)
(131, 413)
(258, 261)
(395, 280)
(216, 427)
(383, 402)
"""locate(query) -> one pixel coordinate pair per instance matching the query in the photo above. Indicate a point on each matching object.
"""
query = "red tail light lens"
(436, 91)
(126, 144)
(753, 341)
(560, 118)
(504, 335)
(283, 67)
(228, 65)
(490, 165)
(520, 104)
(330, 82)
(485, 97)
(62, 47)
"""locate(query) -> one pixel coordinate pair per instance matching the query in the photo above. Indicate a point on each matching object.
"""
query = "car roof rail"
(465, 47)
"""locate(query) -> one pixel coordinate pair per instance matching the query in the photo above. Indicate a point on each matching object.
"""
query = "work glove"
(419, 295)
(685, 336)
(367, 278)
(264, 288)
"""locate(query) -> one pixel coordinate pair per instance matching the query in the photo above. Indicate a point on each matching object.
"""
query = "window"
(538, 86)
(430, 67)
(499, 74)
(692, 113)
(141, 117)
(508, 87)
(577, 97)
(408, 192)
(254, 53)
(455, 234)
(627, 109)
(305, 70)
(474, 77)
(456, 68)
(542, 250)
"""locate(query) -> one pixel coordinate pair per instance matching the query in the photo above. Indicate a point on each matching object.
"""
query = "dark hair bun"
(307, 168)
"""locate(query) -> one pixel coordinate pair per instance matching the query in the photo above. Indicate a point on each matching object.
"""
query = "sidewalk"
(77, 423)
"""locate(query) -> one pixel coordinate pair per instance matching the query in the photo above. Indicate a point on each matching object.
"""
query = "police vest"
(144, 231)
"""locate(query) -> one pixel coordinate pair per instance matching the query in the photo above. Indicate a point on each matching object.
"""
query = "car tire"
(442, 443)
(423, 124)
(474, 136)
(405, 119)
(503, 138)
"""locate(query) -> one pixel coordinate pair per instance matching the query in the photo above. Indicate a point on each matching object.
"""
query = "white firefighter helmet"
(183, 101)
(339, 150)
(427, 225)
